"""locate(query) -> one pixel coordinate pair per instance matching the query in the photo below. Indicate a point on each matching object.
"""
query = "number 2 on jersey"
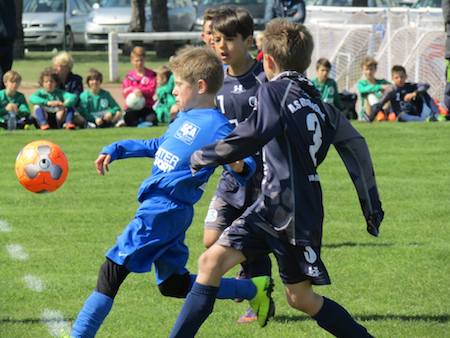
(312, 123)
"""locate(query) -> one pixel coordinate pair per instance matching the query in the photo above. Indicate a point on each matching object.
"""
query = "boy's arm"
(113, 106)
(422, 87)
(247, 138)
(24, 111)
(132, 148)
(353, 150)
(69, 99)
(37, 99)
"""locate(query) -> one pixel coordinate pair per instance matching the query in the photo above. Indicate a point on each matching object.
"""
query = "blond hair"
(63, 59)
(289, 44)
(12, 76)
(192, 64)
(368, 61)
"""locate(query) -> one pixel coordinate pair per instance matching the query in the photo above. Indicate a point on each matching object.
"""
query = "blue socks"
(231, 288)
(197, 307)
(92, 315)
(335, 319)
(40, 116)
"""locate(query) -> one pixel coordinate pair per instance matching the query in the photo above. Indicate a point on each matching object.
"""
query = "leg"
(99, 303)
(41, 117)
(131, 118)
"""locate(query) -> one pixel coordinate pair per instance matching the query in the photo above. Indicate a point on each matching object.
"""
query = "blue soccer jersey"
(237, 99)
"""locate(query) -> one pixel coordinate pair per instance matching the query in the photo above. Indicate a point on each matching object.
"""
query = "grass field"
(398, 285)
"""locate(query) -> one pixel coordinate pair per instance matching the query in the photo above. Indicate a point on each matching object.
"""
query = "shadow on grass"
(405, 318)
(32, 320)
(354, 244)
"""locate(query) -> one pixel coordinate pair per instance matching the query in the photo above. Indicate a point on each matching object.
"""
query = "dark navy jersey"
(237, 99)
(397, 98)
(295, 130)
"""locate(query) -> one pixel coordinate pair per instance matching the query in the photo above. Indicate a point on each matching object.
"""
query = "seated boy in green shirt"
(326, 86)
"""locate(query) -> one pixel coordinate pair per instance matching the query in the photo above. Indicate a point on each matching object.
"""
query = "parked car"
(43, 22)
(115, 15)
(255, 7)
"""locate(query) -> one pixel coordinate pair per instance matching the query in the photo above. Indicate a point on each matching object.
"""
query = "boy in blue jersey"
(295, 130)
(232, 34)
(156, 234)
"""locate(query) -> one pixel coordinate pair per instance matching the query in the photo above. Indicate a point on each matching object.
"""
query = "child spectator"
(51, 103)
(97, 107)
(164, 98)
(206, 33)
(370, 88)
(407, 100)
(68, 81)
(295, 130)
(14, 112)
(326, 86)
(258, 41)
(156, 235)
(142, 82)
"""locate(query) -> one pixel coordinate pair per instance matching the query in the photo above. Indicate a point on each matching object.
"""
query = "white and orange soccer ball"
(41, 166)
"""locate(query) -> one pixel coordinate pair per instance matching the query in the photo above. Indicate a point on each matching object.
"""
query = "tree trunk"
(137, 23)
(160, 23)
(18, 43)
(359, 3)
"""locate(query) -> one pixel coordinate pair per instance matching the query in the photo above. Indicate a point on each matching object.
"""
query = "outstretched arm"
(353, 150)
(132, 148)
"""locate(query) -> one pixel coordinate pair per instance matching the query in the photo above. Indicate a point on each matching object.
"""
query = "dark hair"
(233, 21)
(209, 14)
(323, 62)
(50, 72)
(93, 74)
(398, 69)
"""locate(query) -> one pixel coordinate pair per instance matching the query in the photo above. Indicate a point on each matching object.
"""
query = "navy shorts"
(296, 263)
(155, 236)
(221, 214)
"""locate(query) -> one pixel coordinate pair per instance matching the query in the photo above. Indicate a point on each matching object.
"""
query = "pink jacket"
(146, 83)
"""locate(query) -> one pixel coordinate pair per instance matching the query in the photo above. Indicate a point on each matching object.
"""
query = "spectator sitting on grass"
(326, 86)
(164, 98)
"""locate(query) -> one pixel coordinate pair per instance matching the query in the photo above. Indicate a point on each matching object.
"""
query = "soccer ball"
(41, 166)
(135, 102)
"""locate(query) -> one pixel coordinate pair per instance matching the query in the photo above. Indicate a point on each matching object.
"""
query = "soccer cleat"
(262, 304)
(69, 125)
(380, 116)
(392, 117)
(45, 127)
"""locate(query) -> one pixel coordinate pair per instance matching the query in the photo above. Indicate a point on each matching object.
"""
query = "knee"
(208, 241)
(307, 302)
(176, 286)
(208, 262)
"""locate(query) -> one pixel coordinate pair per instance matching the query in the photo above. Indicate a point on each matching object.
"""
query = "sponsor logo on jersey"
(187, 132)
(165, 160)
(302, 102)
(104, 103)
(238, 89)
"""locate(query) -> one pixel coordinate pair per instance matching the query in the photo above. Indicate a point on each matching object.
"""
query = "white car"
(43, 22)
(115, 15)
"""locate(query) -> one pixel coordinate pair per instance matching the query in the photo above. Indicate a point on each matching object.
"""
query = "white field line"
(34, 283)
(17, 252)
(55, 323)
(4, 226)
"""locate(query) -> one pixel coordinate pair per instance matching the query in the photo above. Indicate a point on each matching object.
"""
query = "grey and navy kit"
(295, 130)
(236, 99)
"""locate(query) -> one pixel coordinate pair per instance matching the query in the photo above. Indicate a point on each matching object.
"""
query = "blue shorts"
(155, 236)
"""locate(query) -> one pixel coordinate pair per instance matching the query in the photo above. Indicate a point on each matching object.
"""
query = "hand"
(138, 92)
(11, 107)
(409, 97)
(374, 223)
(237, 166)
(385, 87)
(102, 163)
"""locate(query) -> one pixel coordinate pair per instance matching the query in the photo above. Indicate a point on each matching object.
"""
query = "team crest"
(187, 132)
(104, 103)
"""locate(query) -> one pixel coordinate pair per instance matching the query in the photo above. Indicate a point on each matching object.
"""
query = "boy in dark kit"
(295, 130)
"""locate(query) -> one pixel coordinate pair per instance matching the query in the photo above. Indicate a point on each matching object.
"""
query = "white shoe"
(121, 123)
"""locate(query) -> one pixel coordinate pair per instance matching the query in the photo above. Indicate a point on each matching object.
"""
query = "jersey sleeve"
(132, 148)
(24, 111)
(36, 98)
(113, 106)
(353, 150)
(247, 138)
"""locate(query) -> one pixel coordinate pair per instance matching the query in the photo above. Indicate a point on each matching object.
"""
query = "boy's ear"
(270, 62)
(249, 41)
(202, 86)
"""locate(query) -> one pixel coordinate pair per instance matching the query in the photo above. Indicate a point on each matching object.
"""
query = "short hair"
(290, 44)
(63, 59)
(323, 62)
(12, 76)
(398, 69)
(163, 70)
(369, 61)
(50, 72)
(93, 74)
(198, 63)
(208, 15)
(138, 51)
(233, 21)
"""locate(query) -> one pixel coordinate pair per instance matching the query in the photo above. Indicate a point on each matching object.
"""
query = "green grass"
(34, 62)
(397, 285)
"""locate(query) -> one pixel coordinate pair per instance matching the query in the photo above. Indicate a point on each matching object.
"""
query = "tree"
(160, 23)
(137, 16)
(19, 43)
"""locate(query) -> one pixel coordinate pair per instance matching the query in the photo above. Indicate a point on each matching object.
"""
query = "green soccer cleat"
(262, 304)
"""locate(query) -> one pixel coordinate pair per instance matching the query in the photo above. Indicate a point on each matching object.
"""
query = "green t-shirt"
(165, 101)
(328, 92)
(93, 105)
(365, 88)
(40, 97)
(18, 99)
